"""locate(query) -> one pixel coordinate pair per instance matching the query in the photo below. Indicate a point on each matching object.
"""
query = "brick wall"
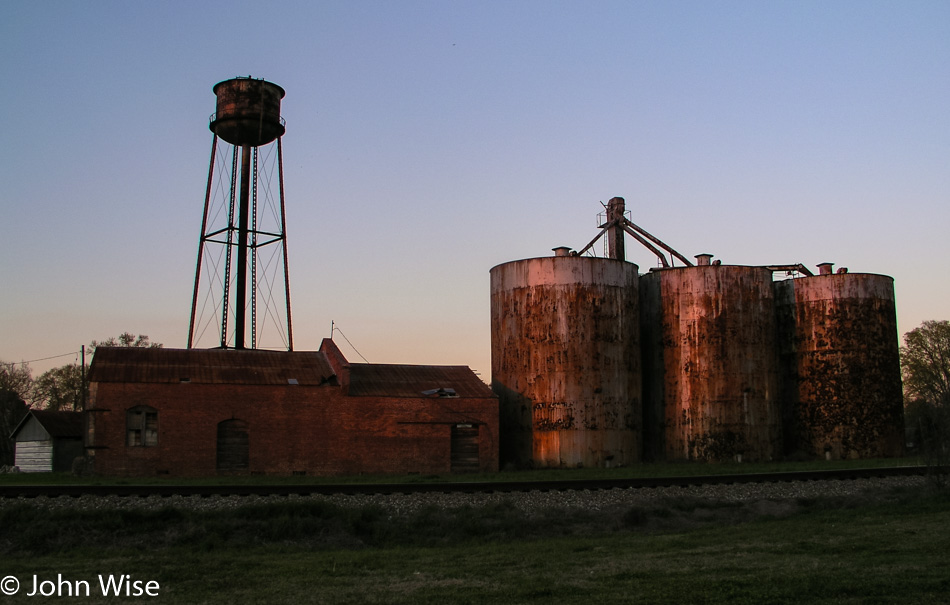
(314, 430)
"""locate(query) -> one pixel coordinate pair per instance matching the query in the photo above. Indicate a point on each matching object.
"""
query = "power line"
(336, 329)
(52, 357)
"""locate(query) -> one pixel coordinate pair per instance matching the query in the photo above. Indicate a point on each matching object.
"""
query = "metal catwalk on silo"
(841, 371)
(566, 361)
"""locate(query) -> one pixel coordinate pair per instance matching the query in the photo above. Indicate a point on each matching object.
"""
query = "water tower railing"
(214, 116)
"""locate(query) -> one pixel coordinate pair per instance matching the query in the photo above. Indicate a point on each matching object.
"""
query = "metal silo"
(566, 360)
(711, 371)
(841, 366)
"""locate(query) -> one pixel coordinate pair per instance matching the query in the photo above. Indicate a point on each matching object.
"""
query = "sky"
(428, 141)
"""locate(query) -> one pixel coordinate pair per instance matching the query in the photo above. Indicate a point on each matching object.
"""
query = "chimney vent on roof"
(825, 268)
(702, 260)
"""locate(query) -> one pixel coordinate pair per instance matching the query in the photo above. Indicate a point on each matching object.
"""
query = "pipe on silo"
(615, 244)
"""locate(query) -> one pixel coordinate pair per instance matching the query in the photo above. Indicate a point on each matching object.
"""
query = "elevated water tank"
(710, 364)
(566, 361)
(248, 111)
(840, 358)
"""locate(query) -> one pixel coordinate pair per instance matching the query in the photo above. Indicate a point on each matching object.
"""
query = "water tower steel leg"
(240, 305)
(254, 251)
(283, 232)
(201, 244)
(226, 297)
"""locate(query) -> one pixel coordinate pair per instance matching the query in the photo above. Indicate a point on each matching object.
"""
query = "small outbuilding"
(48, 441)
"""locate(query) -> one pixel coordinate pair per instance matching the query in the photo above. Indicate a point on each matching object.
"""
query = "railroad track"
(53, 491)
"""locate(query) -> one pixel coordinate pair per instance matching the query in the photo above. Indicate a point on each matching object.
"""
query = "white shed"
(48, 441)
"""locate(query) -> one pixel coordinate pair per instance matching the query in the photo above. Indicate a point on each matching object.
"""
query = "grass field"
(828, 550)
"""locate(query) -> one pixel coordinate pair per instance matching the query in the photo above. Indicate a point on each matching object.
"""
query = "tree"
(925, 363)
(16, 384)
(60, 389)
(16, 378)
(126, 339)
(925, 360)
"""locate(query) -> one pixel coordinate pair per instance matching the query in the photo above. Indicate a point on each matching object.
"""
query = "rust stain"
(712, 362)
(712, 388)
(841, 378)
(565, 337)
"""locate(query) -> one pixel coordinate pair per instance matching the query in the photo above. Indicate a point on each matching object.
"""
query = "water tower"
(243, 240)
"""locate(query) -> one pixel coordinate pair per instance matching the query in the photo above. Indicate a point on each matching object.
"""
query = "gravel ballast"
(593, 501)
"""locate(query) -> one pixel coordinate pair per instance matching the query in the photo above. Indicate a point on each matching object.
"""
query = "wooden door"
(465, 448)
(233, 446)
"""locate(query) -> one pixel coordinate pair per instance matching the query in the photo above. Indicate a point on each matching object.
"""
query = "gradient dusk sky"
(429, 141)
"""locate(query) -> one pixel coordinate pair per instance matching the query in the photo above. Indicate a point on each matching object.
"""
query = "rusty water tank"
(710, 364)
(566, 361)
(841, 376)
(248, 111)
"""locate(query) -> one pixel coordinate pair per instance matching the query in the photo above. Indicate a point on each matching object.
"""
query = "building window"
(141, 425)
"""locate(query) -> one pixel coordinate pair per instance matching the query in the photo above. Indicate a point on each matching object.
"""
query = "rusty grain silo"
(710, 363)
(841, 367)
(566, 361)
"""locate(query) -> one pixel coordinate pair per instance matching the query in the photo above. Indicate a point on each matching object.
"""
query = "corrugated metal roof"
(392, 380)
(57, 424)
(209, 366)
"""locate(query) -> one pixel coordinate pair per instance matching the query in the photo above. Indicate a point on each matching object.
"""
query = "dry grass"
(843, 550)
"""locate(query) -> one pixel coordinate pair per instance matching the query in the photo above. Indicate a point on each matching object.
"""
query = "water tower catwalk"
(242, 251)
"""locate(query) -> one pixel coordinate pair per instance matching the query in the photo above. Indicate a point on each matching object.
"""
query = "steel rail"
(302, 489)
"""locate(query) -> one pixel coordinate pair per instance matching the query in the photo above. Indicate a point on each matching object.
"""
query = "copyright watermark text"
(111, 585)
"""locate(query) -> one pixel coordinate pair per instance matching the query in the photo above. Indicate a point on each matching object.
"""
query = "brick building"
(214, 411)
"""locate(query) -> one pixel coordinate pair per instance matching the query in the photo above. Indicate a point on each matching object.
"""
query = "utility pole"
(82, 380)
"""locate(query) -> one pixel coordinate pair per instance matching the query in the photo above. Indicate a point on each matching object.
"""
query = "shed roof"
(57, 424)
(392, 380)
(210, 366)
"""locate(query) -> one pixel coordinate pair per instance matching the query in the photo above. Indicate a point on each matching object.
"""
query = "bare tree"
(16, 378)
